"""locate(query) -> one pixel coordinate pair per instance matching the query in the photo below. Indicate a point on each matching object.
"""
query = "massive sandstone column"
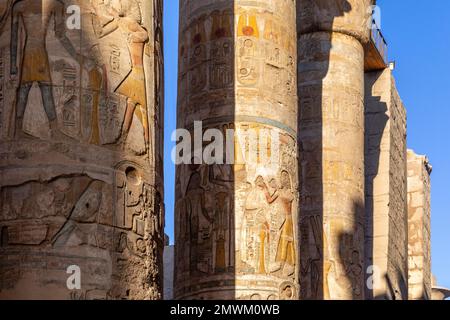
(236, 225)
(386, 188)
(80, 165)
(419, 227)
(331, 138)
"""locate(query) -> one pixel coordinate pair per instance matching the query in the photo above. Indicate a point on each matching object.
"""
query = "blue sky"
(171, 70)
(418, 35)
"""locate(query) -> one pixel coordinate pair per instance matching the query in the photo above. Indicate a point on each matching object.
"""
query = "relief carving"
(34, 66)
(80, 183)
(243, 225)
(126, 17)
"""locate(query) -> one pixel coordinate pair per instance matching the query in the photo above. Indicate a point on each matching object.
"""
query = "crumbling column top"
(412, 155)
(351, 17)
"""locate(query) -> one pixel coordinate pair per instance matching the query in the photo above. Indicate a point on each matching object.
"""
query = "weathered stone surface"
(419, 227)
(351, 17)
(80, 127)
(386, 188)
(236, 225)
(331, 138)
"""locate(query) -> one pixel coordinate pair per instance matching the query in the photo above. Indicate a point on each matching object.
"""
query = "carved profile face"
(260, 182)
(129, 10)
(286, 180)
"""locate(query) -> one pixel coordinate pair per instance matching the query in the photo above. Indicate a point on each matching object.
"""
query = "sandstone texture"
(386, 187)
(331, 136)
(236, 224)
(419, 227)
(81, 148)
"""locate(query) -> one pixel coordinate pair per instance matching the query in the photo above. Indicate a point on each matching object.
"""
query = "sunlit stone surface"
(80, 165)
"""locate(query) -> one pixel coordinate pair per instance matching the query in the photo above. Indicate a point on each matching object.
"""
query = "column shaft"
(81, 214)
(236, 229)
(331, 137)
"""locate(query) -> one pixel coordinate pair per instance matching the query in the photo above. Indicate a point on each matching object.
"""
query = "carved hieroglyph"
(80, 170)
(331, 138)
(236, 225)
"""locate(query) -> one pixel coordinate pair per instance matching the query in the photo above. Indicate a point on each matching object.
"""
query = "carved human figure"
(97, 75)
(355, 272)
(195, 206)
(220, 179)
(96, 83)
(263, 227)
(34, 66)
(126, 16)
(286, 246)
(311, 268)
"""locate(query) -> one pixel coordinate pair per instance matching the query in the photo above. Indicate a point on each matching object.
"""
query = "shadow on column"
(375, 124)
(379, 156)
(314, 49)
(204, 208)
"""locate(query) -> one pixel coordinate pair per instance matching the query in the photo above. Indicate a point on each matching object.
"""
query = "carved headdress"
(129, 9)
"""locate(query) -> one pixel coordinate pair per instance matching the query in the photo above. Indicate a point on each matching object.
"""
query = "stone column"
(80, 169)
(386, 189)
(236, 223)
(419, 227)
(331, 35)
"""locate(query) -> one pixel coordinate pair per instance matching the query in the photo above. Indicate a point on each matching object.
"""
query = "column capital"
(351, 17)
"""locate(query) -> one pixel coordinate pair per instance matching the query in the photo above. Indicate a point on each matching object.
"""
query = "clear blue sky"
(171, 15)
(418, 34)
